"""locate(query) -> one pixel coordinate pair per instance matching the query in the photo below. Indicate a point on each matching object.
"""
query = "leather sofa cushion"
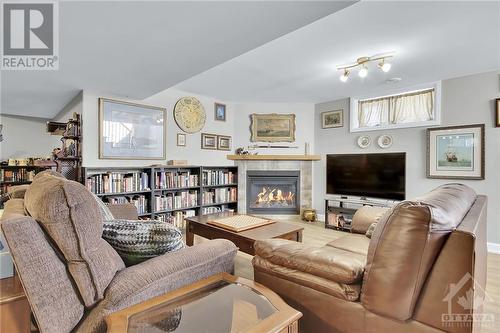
(69, 214)
(405, 245)
(327, 262)
(348, 292)
(365, 216)
(353, 243)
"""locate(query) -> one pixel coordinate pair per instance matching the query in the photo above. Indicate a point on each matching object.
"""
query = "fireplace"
(273, 192)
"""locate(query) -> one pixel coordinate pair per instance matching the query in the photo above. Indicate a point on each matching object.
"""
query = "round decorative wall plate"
(364, 141)
(189, 114)
(385, 141)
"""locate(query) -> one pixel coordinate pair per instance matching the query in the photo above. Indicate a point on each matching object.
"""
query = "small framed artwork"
(223, 142)
(220, 111)
(456, 152)
(181, 139)
(208, 141)
(332, 119)
(497, 112)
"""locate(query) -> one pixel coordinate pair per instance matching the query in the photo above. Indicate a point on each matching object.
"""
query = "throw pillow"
(140, 240)
(371, 230)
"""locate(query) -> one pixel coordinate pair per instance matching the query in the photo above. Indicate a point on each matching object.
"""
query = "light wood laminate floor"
(316, 234)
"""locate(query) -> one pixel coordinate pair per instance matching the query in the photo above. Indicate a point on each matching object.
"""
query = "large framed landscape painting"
(456, 152)
(131, 131)
(272, 127)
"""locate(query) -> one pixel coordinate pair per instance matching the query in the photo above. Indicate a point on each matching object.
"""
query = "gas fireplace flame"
(275, 196)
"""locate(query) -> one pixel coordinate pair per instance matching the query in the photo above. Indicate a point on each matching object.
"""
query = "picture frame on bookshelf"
(208, 141)
(181, 140)
(223, 142)
(220, 111)
(131, 131)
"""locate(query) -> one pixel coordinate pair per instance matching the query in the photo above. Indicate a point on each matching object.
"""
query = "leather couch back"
(405, 246)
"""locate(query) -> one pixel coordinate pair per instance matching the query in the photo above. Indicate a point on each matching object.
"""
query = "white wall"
(304, 125)
(26, 137)
(465, 100)
(166, 99)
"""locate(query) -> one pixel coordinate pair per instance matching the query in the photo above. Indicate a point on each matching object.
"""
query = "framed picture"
(272, 127)
(220, 111)
(332, 119)
(181, 139)
(223, 142)
(131, 131)
(497, 112)
(208, 141)
(456, 152)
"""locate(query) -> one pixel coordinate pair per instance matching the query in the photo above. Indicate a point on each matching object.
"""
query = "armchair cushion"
(353, 243)
(327, 262)
(70, 215)
(365, 216)
(160, 275)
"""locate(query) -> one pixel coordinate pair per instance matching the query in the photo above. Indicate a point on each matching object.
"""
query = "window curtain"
(399, 109)
(412, 108)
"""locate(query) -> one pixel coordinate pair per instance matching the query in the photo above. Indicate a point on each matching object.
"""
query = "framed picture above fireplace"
(272, 127)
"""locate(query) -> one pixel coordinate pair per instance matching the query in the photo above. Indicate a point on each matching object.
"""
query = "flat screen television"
(367, 175)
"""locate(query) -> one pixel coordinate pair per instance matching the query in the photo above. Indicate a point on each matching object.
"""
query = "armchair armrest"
(125, 211)
(326, 262)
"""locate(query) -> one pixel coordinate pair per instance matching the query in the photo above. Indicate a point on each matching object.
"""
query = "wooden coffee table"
(221, 303)
(244, 240)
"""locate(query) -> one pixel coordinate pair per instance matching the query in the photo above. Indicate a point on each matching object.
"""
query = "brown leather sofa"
(423, 268)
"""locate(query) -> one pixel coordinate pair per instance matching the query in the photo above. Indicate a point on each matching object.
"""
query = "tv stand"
(340, 209)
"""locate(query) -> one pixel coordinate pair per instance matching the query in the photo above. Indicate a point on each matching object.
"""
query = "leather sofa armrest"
(327, 262)
(125, 211)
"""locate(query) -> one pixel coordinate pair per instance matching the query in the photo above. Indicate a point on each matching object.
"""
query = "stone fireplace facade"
(301, 168)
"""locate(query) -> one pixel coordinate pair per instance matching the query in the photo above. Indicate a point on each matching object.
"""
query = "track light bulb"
(344, 76)
(363, 72)
(384, 66)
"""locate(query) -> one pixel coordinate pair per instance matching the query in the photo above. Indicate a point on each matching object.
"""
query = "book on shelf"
(177, 219)
(177, 200)
(219, 195)
(139, 201)
(19, 175)
(214, 210)
(174, 179)
(217, 177)
(117, 182)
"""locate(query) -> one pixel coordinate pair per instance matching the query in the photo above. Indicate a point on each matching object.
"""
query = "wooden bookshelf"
(170, 192)
(17, 175)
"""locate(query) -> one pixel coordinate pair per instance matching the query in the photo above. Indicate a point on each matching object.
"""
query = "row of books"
(20, 175)
(218, 177)
(215, 209)
(176, 218)
(116, 182)
(139, 201)
(178, 200)
(172, 179)
(219, 195)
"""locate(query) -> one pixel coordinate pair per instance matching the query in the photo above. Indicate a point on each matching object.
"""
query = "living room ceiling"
(135, 49)
(432, 40)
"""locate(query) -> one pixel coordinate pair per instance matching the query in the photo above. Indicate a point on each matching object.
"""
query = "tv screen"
(367, 175)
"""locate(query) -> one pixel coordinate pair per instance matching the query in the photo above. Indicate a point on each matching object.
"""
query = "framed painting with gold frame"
(272, 127)
(131, 131)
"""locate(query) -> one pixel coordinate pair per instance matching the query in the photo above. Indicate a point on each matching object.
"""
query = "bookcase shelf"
(161, 187)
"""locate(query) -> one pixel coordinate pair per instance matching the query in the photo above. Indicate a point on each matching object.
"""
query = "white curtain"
(398, 109)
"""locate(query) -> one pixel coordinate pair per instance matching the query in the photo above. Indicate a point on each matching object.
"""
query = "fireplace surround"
(273, 192)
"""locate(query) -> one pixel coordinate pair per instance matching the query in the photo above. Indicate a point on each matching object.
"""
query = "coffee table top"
(273, 230)
(218, 304)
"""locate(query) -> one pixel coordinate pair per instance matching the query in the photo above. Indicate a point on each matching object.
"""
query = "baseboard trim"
(494, 248)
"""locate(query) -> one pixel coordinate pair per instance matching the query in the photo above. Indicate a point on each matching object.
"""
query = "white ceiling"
(433, 40)
(136, 49)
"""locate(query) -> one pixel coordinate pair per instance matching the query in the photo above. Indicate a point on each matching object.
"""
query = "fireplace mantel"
(274, 157)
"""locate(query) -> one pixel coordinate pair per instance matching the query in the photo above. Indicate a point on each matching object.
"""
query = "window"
(408, 109)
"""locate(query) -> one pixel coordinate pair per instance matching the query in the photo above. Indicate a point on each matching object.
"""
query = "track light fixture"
(362, 62)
